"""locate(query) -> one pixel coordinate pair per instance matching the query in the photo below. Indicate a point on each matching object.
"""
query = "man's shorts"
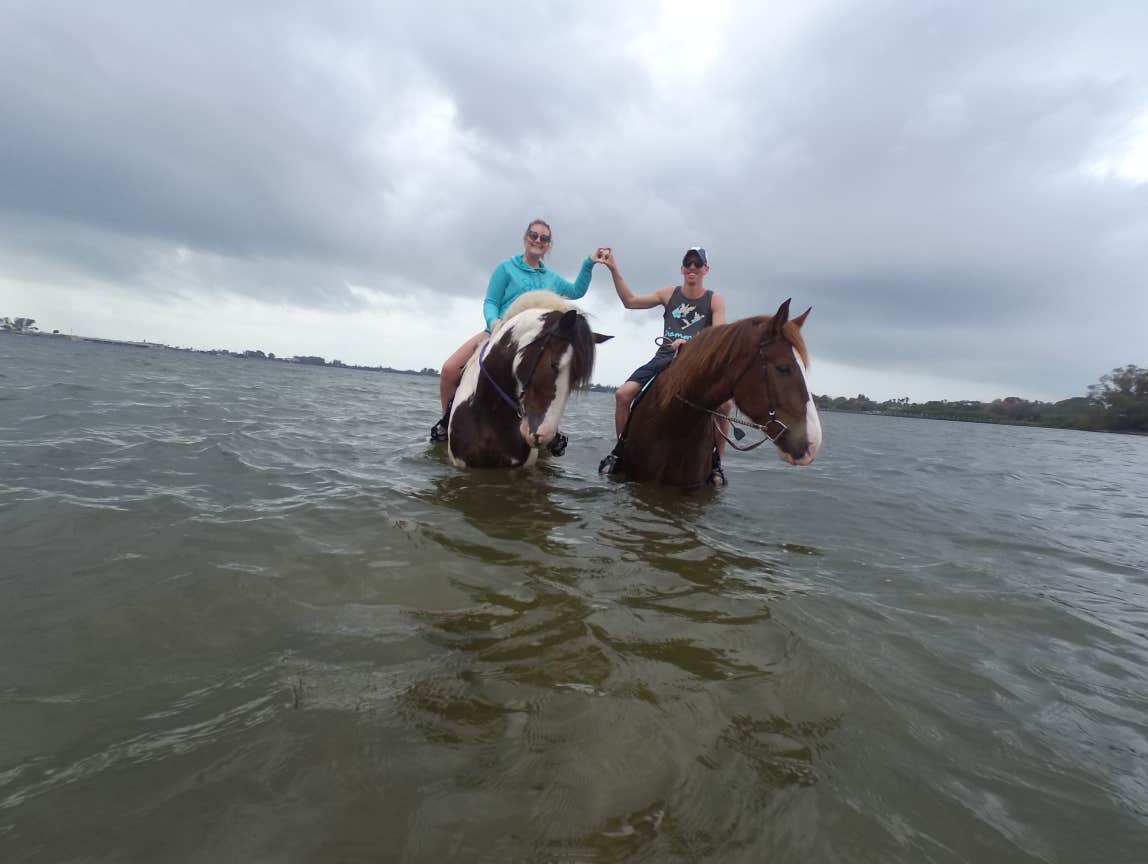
(645, 372)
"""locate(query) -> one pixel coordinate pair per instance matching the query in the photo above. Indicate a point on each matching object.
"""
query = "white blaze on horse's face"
(538, 428)
(810, 428)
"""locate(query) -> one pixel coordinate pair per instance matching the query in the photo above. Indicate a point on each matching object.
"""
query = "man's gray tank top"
(685, 318)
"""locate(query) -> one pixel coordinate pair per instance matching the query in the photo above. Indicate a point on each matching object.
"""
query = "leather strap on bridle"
(515, 404)
(763, 428)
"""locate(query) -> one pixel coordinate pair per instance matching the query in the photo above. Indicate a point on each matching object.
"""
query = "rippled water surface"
(248, 614)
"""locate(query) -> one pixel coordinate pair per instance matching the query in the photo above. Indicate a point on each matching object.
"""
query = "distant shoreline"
(298, 360)
(1079, 412)
(254, 354)
(991, 421)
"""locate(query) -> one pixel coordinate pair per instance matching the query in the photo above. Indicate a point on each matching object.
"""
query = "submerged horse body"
(515, 388)
(757, 362)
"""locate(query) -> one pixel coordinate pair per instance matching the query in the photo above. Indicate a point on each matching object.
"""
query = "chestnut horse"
(515, 387)
(757, 362)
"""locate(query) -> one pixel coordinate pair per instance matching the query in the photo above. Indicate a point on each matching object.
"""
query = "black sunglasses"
(539, 238)
(694, 264)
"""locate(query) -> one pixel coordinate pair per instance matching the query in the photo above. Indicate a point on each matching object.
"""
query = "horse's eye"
(785, 370)
(555, 365)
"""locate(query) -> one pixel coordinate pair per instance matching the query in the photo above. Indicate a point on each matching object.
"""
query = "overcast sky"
(958, 189)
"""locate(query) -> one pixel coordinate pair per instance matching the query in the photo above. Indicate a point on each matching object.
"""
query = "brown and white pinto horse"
(758, 362)
(515, 387)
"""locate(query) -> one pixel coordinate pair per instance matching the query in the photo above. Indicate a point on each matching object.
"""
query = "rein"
(515, 404)
(763, 428)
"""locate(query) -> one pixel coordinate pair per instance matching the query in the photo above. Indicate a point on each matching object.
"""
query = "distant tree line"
(313, 360)
(19, 325)
(1117, 403)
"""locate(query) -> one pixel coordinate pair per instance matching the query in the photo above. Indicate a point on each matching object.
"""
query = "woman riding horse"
(510, 279)
(513, 392)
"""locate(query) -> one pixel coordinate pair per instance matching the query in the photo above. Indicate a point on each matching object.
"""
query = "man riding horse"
(688, 309)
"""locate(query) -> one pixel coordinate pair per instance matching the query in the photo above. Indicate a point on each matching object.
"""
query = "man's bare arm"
(629, 299)
(717, 307)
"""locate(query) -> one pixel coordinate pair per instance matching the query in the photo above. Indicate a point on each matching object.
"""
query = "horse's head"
(773, 391)
(553, 354)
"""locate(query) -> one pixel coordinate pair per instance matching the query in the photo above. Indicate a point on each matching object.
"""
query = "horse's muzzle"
(800, 443)
(539, 433)
(799, 452)
(807, 459)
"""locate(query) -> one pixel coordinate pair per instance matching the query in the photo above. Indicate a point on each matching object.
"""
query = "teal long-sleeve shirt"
(514, 276)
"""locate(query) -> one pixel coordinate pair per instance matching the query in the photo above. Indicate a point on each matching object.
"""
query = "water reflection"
(779, 751)
(627, 836)
(718, 796)
(537, 635)
(686, 571)
(600, 625)
(516, 506)
(448, 713)
(700, 661)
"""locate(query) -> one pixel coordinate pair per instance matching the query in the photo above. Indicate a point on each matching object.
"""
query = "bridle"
(515, 404)
(764, 428)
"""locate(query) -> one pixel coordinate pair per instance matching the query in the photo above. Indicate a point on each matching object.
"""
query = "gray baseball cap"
(696, 252)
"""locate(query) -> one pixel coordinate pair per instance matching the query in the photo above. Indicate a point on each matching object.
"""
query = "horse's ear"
(782, 314)
(566, 323)
(778, 320)
(601, 337)
(800, 319)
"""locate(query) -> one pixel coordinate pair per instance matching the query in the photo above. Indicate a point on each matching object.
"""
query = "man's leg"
(717, 475)
(622, 399)
(723, 425)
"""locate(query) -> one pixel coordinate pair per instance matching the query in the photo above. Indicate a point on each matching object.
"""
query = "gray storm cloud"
(931, 178)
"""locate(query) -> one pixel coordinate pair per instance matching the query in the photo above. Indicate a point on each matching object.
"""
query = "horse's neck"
(495, 373)
(712, 383)
(680, 404)
(710, 388)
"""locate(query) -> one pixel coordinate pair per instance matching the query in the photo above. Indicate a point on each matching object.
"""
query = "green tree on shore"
(19, 325)
(1122, 396)
(1118, 403)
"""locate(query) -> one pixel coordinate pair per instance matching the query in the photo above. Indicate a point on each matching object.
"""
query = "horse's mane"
(582, 338)
(792, 334)
(582, 367)
(716, 349)
(533, 300)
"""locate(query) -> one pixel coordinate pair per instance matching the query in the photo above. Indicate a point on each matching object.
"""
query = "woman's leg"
(451, 373)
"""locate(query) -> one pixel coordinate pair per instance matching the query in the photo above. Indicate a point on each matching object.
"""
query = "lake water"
(248, 614)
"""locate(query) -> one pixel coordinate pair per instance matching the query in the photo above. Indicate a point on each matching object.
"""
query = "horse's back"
(546, 300)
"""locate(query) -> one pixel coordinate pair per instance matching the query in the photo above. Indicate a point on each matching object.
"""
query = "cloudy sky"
(958, 189)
